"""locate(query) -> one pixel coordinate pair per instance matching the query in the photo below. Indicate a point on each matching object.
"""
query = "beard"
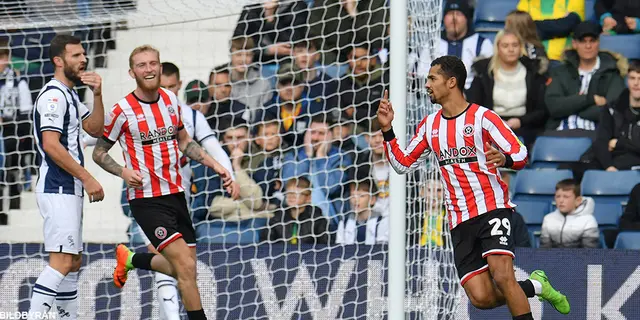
(71, 74)
(148, 85)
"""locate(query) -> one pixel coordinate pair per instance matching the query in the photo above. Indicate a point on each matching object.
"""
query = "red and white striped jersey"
(459, 145)
(148, 135)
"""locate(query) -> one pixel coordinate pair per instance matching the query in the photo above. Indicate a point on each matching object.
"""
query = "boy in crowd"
(572, 224)
(362, 225)
(266, 160)
(299, 221)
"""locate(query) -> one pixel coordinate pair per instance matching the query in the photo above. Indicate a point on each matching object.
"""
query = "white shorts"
(62, 214)
(187, 195)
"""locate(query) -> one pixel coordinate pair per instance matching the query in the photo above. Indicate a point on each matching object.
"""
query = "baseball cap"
(196, 91)
(289, 72)
(586, 28)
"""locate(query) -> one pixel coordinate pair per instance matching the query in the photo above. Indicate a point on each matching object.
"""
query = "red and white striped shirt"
(148, 135)
(459, 145)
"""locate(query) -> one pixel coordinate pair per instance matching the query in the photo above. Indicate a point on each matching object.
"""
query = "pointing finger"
(386, 94)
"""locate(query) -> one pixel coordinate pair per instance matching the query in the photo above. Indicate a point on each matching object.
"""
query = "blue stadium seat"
(549, 152)
(336, 70)
(627, 45)
(606, 186)
(491, 14)
(532, 211)
(628, 240)
(269, 72)
(589, 11)
(230, 233)
(538, 184)
(607, 214)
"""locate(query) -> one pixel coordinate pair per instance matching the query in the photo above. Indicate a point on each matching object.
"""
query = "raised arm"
(93, 122)
(401, 160)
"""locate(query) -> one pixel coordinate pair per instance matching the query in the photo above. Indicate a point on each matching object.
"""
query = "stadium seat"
(269, 72)
(230, 233)
(336, 70)
(532, 211)
(491, 14)
(606, 186)
(489, 35)
(627, 45)
(607, 214)
(549, 152)
(538, 185)
(628, 240)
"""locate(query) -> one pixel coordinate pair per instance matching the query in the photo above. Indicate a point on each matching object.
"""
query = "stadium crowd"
(293, 110)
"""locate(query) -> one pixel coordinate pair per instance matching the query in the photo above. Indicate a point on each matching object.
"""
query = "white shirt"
(510, 92)
(58, 108)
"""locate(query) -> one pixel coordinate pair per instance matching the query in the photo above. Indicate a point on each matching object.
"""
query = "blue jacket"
(328, 178)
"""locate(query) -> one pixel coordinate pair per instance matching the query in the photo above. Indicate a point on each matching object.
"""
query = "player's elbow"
(94, 129)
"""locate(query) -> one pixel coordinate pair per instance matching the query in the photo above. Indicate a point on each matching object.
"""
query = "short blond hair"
(140, 49)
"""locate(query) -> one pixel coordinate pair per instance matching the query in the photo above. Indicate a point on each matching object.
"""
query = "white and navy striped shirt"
(58, 108)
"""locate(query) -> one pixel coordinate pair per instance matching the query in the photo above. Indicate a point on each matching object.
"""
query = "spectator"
(361, 89)
(322, 90)
(512, 85)
(433, 218)
(372, 163)
(459, 39)
(539, 10)
(523, 25)
(533, 32)
(250, 204)
(618, 16)
(274, 27)
(207, 184)
(582, 85)
(323, 163)
(617, 143)
(222, 105)
(289, 105)
(630, 219)
(300, 222)
(266, 160)
(247, 85)
(196, 95)
(572, 224)
(362, 225)
(344, 138)
(340, 22)
(15, 124)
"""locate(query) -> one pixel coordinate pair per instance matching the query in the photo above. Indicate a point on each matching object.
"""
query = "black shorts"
(475, 239)
(164, 219)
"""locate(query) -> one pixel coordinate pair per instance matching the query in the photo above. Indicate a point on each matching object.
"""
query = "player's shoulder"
(172, 97)
(52, 89)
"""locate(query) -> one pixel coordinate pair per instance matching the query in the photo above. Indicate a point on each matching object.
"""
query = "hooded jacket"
(481, 91)
(562, 94)
(578, 229)
(618, 121)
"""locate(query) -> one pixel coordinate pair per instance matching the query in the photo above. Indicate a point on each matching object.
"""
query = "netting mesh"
(290, 90)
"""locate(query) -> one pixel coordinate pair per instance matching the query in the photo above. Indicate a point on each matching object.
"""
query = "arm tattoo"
(104, 160)
(194, 151)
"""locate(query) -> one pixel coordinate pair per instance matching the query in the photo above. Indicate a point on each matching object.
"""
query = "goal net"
(290, 90)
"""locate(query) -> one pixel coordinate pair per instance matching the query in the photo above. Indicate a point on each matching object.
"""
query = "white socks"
(67, 298)
(44, 292)
(537, 286)
(168, 298)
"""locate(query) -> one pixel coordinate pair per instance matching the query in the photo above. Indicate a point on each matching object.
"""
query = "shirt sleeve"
(51, 107)
(501, 135)
(202, 130)
(83, 110)
(406, 160)
(26, 104)
(114, 124)
(180, 115)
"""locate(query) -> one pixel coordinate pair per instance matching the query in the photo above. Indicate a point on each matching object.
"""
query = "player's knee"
(482, 300)
(503, 278)
(62, 262)
(186, 267)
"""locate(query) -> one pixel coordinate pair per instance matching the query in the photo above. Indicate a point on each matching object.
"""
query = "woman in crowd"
(512, 85)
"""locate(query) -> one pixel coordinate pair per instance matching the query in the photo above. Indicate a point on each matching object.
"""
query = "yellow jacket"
(553, 9)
